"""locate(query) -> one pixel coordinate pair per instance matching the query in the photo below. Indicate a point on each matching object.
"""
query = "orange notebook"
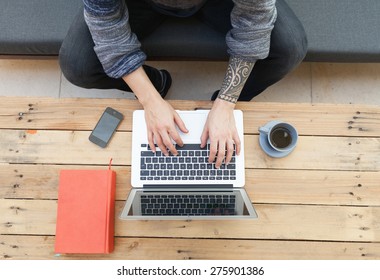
(86, 211)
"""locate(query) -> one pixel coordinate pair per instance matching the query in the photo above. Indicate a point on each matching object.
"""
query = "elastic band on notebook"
(109, 166)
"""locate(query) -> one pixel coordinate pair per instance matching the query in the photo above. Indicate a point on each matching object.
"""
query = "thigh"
(217, 14)
(288, 38)
(78, 60)
(142, 18)
(288, 47)
(77, 56)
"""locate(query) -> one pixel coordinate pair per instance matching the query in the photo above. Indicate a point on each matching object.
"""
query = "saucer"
(263, 140)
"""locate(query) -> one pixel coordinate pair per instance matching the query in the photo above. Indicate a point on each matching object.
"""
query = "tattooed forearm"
(236, 76)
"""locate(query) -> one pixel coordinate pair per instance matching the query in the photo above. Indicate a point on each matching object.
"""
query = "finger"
(230, 151)
(161, 145)
(181, 125)
(204, 137)
(168, 143)
(237, 143)
(213, 151)
(221, 154)
(151, 142)
(175, 136)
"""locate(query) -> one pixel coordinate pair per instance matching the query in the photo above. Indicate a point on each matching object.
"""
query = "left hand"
(220, 127)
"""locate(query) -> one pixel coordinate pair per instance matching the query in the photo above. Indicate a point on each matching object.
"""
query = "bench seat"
(338, 31)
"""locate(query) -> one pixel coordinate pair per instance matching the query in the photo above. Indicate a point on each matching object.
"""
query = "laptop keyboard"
(188, 205)
(191, 163)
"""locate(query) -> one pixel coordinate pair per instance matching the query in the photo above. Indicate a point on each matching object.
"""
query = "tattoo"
(237, 74)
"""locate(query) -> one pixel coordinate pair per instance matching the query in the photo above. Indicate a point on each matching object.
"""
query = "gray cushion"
(35, 26)
(340, 30)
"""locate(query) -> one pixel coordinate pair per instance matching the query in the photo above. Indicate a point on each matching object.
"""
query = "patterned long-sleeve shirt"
(118, 48)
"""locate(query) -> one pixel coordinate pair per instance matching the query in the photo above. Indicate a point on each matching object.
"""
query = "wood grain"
(320, 202)
(82, 114)
(42, 248)
(281, 222)
(263, 185)
(73, 147)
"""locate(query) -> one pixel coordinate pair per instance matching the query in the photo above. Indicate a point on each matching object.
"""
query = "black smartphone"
(106, 126)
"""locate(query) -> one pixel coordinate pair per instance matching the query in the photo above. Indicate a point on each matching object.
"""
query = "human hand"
(160, 117)
(220, 128)
(161, 121)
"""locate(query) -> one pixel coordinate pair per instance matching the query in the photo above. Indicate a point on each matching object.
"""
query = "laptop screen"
(192, 204)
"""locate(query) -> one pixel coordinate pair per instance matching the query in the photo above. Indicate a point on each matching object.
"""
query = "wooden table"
(321, 202)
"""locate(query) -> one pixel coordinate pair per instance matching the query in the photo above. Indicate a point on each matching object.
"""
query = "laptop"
(186, 186)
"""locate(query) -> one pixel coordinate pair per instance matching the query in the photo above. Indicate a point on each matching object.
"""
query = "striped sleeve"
(116, 46)
(252, 23)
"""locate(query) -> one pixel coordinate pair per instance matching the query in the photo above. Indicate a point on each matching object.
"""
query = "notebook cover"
(86, 211)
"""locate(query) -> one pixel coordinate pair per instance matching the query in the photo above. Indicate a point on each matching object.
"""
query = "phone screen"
(106, 126)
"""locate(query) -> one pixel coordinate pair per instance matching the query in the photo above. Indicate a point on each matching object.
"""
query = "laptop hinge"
(219, 186)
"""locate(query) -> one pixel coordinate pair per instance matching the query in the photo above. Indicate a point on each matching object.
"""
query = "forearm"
(141, 86)
(237, 74)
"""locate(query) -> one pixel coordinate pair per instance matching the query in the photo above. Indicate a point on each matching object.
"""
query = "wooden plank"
(281, 222)
(322, 153)
(82, 114)
(313, 187)
(42, 248)
(263, 185)
(62, 147)
(73, 147)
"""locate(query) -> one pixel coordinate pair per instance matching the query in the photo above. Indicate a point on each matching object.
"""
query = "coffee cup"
(278, 138)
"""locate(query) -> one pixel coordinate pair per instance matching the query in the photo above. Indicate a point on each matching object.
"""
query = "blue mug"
(278, 139)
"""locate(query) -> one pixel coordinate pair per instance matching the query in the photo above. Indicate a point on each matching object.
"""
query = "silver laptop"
(185, 186)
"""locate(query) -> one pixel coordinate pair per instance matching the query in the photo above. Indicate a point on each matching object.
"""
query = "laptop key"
(144, 173)
(147, 153)
(231, 166)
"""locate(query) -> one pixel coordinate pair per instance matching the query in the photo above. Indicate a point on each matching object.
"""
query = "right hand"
(160, 117)
(161, 121)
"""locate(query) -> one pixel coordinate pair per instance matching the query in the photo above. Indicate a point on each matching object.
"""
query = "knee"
(73, 68)
(288, 36)
(293, 48)
(299, 45)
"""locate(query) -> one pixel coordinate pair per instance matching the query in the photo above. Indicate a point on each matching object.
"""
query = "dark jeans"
(81, 66)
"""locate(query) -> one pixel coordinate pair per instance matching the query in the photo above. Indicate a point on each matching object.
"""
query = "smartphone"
(106, 127)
